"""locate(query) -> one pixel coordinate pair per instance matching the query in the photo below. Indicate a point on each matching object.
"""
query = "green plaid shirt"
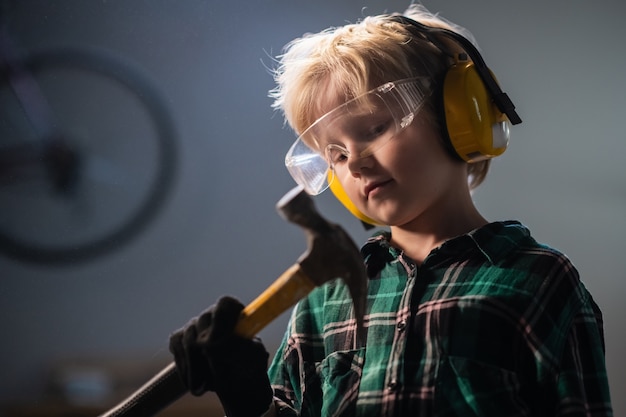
(491, 324)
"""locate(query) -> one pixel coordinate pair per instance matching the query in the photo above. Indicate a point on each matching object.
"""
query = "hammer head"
(330, 254)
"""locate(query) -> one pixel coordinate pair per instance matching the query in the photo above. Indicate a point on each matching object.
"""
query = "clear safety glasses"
(355, 129)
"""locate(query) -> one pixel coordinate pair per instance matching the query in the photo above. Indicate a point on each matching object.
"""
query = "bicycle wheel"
(119, 135)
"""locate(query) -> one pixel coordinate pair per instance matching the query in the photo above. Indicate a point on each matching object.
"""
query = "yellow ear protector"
(339, 192)
(476, 111)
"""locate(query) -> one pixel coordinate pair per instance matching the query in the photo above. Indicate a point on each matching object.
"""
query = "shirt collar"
(493, 241)
(496, 240)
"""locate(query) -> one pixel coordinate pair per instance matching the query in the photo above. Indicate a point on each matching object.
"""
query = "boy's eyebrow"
(350, 121)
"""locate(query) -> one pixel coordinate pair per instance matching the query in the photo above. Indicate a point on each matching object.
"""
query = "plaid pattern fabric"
(491, 324)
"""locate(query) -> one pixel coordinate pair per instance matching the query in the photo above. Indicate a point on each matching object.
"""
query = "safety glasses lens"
(366, 122)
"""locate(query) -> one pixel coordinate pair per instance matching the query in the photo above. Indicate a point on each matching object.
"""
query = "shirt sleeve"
(295, 372)
(582, 387)
(284, 382)
(292, 372)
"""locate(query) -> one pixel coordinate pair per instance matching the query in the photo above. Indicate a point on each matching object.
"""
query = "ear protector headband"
(476, 111)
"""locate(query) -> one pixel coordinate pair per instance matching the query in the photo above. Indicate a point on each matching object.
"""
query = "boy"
(465, 317)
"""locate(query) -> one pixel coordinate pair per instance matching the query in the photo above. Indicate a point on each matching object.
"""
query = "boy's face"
(413, 175)
(351, 128)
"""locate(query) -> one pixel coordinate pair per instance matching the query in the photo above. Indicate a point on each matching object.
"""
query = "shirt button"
(401, 326)
(392, 385)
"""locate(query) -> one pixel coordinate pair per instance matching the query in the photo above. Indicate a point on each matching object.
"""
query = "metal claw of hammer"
(331, 254)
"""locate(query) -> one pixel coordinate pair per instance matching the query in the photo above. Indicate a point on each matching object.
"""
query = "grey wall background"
(561, 61)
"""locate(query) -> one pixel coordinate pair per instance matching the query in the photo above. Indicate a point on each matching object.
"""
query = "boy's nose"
(357, 163)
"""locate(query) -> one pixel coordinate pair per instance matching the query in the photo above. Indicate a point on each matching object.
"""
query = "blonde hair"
(354, 58)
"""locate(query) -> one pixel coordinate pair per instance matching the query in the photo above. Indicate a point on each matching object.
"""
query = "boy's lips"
(369, 188)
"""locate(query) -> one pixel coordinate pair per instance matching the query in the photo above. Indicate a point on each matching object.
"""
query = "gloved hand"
(210, 357)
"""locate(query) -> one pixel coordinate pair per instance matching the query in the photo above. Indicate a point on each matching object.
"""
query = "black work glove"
(210, 357)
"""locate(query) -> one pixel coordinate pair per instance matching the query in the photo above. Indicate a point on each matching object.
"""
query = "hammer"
(330, 254)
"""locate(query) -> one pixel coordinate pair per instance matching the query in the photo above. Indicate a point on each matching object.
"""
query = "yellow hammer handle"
(283, 293)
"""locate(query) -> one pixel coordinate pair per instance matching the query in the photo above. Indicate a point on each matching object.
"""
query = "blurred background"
(81, 331)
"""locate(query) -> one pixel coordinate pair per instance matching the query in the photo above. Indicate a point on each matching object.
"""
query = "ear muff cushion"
(339, 192)
(469, 114)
